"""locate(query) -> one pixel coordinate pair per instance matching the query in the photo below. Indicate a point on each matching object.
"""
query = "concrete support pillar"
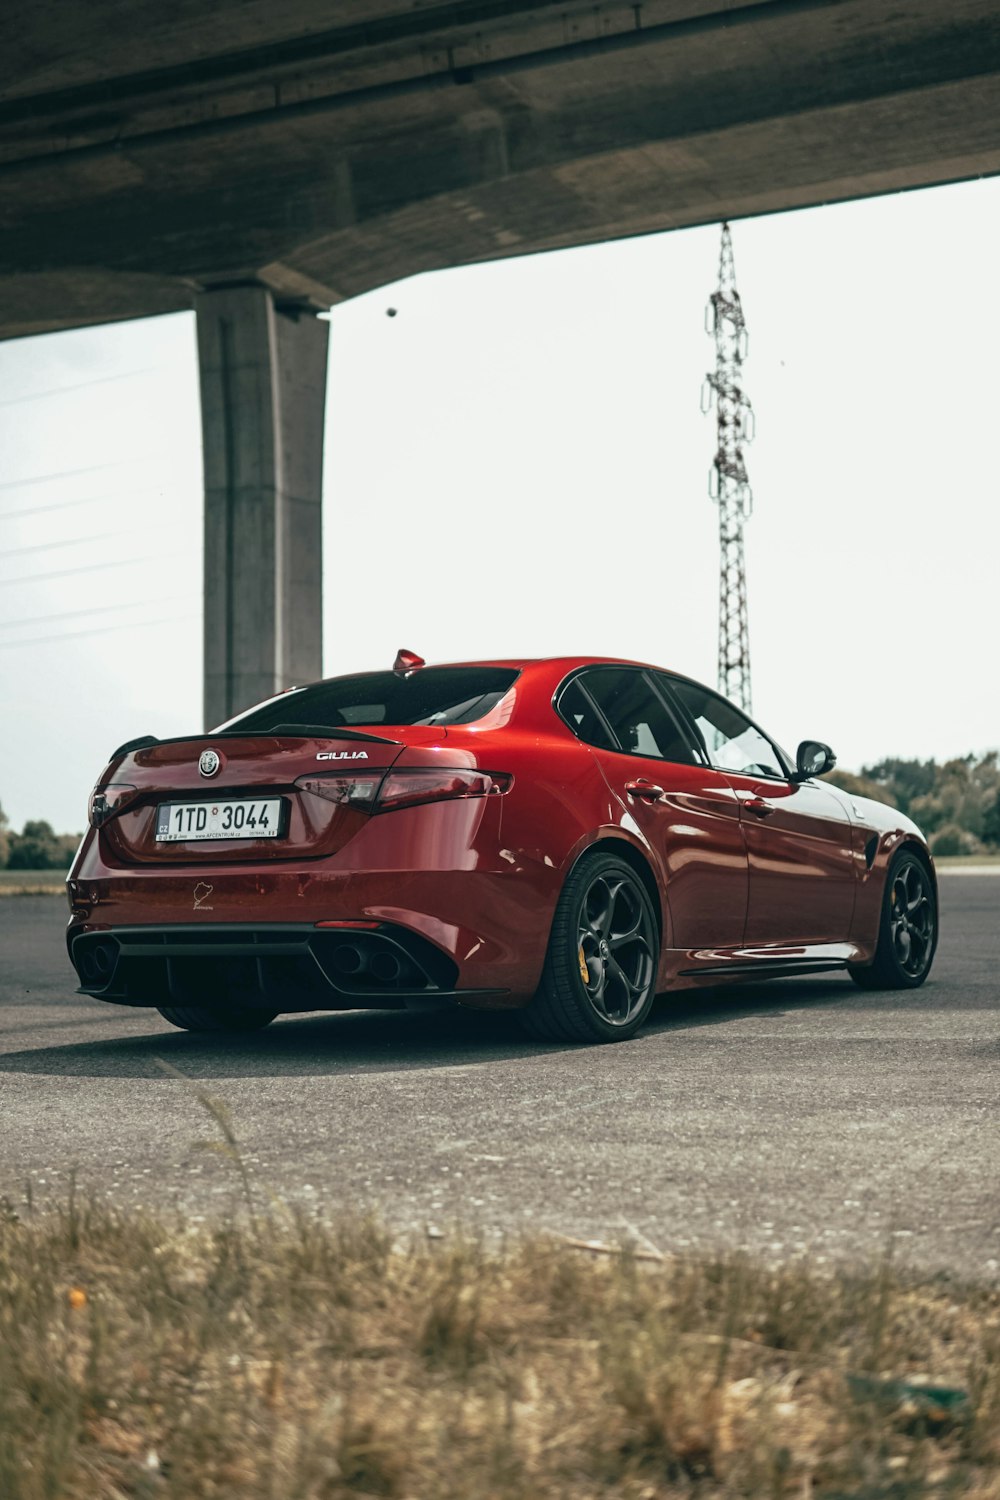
(263, 390)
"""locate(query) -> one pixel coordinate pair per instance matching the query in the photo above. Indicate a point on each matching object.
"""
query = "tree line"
(956, 803)
(36, 847)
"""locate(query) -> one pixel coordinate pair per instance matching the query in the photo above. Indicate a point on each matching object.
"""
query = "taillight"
(382, 792)
(438, 784)
(105, 801)
(353, 790)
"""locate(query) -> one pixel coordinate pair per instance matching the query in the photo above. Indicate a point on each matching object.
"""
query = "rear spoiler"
(142, 743)
(282, 731)
(301, 732)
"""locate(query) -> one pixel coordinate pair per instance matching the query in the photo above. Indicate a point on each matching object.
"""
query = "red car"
(564, 837)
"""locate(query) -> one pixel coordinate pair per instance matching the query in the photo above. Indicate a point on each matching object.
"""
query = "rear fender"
(637, 853)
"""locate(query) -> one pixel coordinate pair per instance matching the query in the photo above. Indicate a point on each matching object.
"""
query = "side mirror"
(813, 758)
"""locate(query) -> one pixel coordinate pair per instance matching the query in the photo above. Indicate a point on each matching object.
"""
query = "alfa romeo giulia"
(565, 837)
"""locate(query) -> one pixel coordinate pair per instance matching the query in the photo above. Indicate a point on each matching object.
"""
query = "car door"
(686, 811)
(803, 874)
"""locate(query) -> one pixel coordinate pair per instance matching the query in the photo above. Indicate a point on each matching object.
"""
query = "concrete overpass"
(260, 162)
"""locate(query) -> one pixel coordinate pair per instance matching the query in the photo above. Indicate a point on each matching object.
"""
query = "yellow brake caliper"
(584, 971)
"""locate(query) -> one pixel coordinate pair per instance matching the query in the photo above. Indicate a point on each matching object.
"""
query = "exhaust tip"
(104, 959)
(348, 958)
(385, 966)
(97, 961)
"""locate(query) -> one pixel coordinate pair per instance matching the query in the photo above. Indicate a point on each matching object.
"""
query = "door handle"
(644, 788)
(759, 806)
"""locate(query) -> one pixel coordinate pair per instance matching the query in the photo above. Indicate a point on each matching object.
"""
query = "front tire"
(198, 1018)
(908, 929)
(599, 980)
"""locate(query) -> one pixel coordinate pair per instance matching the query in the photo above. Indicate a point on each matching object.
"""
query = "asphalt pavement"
(799, 1117)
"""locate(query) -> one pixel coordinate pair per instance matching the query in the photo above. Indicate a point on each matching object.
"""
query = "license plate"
(187, 822)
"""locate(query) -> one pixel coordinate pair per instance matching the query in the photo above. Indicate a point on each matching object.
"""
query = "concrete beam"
(263, 391)
(325, 150)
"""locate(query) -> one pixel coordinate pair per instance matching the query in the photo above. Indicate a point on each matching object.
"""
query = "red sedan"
(564, 837)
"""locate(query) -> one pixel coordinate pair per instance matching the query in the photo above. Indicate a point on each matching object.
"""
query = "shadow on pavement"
(390, 1041)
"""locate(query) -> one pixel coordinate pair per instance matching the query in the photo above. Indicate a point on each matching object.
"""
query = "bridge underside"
(149, 152)
(261, 161)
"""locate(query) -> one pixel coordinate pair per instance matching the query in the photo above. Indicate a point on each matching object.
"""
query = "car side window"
(642, 723)
(732, 742)
(582, 717)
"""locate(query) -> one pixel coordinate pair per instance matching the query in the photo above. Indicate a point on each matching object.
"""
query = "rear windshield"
(431, 695)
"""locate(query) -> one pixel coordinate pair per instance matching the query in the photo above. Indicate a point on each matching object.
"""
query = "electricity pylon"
(728, 483)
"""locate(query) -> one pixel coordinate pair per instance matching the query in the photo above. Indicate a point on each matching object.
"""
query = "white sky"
(517, 463)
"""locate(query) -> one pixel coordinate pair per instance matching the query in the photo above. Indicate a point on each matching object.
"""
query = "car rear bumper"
(276, 966)
(437, 874)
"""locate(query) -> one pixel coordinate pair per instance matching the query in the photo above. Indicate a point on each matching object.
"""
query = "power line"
(124, 562)
(70, 541)
(73, 635)
(40, 510)
(97, 609)
(83, 385)
(117, 463)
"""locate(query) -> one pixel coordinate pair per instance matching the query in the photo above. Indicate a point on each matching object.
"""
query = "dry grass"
(33, 883)
(24, 883)
(292, 1360)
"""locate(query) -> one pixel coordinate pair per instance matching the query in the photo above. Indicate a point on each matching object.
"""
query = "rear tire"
(599, 980)
(908, 929)
(198, 1018)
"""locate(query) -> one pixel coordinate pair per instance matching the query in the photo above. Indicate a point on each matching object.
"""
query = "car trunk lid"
(252, 769)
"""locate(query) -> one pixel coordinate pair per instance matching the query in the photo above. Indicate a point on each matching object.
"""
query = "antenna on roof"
(407, 662)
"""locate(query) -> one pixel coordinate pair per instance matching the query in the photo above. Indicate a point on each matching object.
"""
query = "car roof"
(519, 663)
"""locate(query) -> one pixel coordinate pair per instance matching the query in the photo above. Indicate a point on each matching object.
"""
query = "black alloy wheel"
(908, 929)
(599, 980)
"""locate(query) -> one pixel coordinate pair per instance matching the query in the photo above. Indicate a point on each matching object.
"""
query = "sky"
(517, 463)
